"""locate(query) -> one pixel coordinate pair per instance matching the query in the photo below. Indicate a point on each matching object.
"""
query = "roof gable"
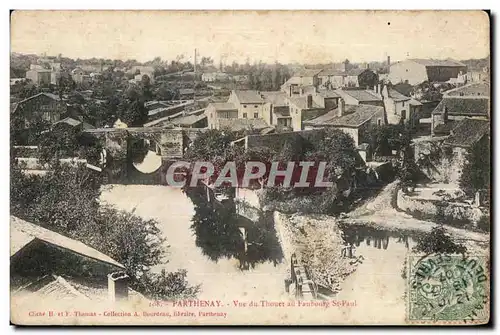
(355, 116)
(473, 106)
(467, 133)
(437, 62)
(24, 229)
(249, 97)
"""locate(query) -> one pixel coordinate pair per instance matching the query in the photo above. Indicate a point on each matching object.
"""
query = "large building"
(400, 108)
(351, 119)
(40, 77)
(279, 110)
(469, 101)
(46, 105)
(417, 71)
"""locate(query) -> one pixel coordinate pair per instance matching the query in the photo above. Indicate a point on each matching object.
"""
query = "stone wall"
(454, 213)
(446, 163)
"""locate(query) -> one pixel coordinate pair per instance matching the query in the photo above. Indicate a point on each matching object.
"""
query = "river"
(220, 279)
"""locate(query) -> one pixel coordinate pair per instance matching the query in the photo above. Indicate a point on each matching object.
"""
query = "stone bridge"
(169, 143)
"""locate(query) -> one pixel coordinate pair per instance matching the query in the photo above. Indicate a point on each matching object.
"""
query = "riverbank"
(381, 211)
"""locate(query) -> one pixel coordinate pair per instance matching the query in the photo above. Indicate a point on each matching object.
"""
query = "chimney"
(290, 88)
(118, 286)
(341, 107)
(379, 90)
(445, 115)
(309, 101)
(388, 61)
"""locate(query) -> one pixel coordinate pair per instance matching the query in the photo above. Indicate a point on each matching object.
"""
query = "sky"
(284, 36)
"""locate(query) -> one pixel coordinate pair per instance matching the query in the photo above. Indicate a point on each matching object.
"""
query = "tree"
(131, 109)
(476, 173)
(438, 241)
(163, 286)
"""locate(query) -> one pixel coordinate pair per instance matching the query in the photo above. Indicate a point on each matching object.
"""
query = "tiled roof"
(249, 97)
(242, 124)
(437, 62)
(355, 116)
(444, 128)
(396, 96)
(362, 95)
(58, 289)
(464, 106)
(301, 103)
(223, 106)
(307, 72)
(282, 113)
(277, 98)
(474, 89)
(404, 89)
(49, 95)
(188, 120)
(336, 72)
(328, 94)
(467, 132)
(29, 231)
(70, 121)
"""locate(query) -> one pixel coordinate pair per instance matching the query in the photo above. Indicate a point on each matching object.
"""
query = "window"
(255, 106)
(255, 115)
(244, 106)
(244, 115)
(403, 103)
(403, 114)
(379, 122)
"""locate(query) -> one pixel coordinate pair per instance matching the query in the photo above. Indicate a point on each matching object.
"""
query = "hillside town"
(407, 142)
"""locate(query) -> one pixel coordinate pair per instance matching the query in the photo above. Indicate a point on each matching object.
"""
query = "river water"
(376, 285)
(219, 279)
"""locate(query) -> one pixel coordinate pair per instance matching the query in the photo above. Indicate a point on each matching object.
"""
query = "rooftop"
(301, 103)
(23, 233)
(188, 120)
(362, 95)
(223, 106)
(249, 97)
(473, 106)
(338, 72)
(467, 133)
(276, 98)
(328, 94)
(474, 89)
(49, 95)
(396, 96)
(438, 62)
(355, 116)
(307, 73)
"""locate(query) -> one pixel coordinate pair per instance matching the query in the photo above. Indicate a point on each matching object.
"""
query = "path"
(380, 211)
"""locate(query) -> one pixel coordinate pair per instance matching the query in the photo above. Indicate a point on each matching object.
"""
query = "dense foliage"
(331, 146)
(438, 241)
(476, 173)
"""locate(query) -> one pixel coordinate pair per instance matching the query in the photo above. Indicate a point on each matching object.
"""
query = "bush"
(438, 241)
(166, 286)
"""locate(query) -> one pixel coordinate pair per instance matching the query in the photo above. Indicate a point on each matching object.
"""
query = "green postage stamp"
(448, 288)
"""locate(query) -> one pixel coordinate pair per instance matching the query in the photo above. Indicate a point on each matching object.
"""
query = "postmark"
(448, 288)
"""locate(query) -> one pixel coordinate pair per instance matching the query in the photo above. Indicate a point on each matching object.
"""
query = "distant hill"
(477, 64)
